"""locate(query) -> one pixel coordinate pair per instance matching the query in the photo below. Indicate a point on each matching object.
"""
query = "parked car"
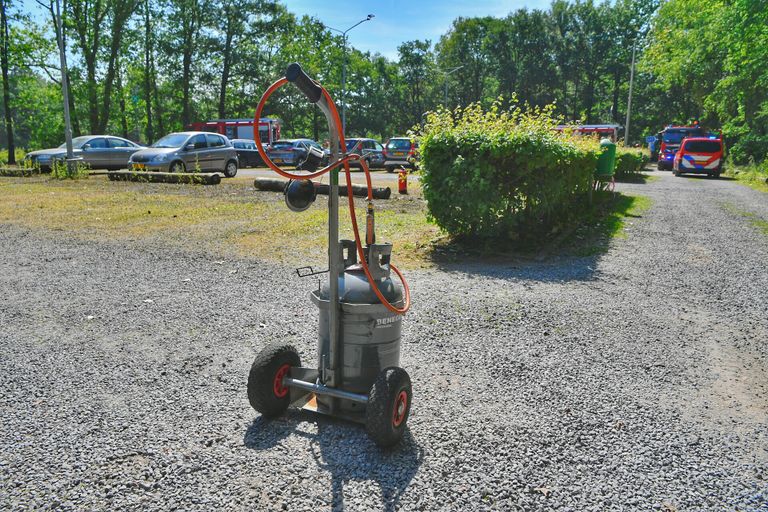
(291, 151)
(97, 151)
(368, 149)
(188, 151)
(701, 155)
(399, 152)
(247, 154)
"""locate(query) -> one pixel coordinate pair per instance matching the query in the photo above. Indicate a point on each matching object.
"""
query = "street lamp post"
(629, 97)
(344, 69)
(64, 80)
(447, 73)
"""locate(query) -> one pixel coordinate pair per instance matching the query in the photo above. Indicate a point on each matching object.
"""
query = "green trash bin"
(606, 164)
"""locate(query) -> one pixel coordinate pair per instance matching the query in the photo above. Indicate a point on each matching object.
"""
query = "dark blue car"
(291, 151)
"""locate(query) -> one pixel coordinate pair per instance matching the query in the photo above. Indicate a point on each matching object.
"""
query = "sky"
(401, 20)
(395, 21)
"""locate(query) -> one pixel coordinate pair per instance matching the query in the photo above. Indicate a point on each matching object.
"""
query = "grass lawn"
(233, 218)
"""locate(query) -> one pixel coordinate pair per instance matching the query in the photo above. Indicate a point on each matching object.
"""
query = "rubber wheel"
(265, 390)
(178, 167)
(389, 404)
(390, 168)
(230, 171)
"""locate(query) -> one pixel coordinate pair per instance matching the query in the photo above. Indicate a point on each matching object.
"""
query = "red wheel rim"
(401, 407)
(277, 386)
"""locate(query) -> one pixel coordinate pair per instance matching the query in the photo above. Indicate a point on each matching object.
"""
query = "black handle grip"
(309, 87)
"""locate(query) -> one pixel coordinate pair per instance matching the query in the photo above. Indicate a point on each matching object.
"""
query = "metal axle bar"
(325, 390)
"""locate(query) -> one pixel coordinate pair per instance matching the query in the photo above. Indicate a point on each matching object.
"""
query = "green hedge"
(629, 161)
(502, 173)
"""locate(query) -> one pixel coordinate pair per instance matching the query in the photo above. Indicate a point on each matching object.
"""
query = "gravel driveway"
(632, 380)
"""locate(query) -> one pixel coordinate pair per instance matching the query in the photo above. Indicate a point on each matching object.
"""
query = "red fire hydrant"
(402, 181)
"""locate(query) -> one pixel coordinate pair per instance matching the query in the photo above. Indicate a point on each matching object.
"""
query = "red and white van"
(699, 155)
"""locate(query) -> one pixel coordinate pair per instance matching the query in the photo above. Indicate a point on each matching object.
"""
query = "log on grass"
(19, 172)
(166, 177)
(274, 185)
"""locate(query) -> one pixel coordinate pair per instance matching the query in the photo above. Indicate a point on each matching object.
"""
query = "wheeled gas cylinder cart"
(357, 376)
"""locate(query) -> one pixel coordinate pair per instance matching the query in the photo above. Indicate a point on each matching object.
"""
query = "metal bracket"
(378, 260)
(348, 252)
(309, 271)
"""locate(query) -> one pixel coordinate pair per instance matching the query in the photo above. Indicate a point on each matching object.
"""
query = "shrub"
(629, 161)
(750, 148)
(751, 173)
(4, 156)
(502, 173)
(60, 170)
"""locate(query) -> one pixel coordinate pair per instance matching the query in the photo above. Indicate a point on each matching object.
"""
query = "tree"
(466, 45)
(4, 43)
(88, 20)
(416, 67)
(188, 14)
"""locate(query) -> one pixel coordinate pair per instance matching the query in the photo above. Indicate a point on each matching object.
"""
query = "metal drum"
(369, 334)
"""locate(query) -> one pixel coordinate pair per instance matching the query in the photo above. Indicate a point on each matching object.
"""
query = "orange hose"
(350, 194)
(257, 135)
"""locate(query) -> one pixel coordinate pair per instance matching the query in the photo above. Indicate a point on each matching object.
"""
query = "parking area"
(629, 379)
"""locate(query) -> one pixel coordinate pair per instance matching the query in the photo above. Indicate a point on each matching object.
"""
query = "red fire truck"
(671, 137)
(269, 128)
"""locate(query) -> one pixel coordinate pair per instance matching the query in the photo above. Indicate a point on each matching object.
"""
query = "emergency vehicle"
(671, 138)
(701, 155)
(269, 128)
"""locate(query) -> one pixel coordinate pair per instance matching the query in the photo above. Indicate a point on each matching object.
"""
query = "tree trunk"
(87, 22)
(158, 103)
(122, 11)
(93, 100)
(590, 99)
(190, 27)
(6, 84)
(315, 125)
(76, 131)
(225, 70)
(148, 72)
(616, 83)
(121, 102)
(185, 110)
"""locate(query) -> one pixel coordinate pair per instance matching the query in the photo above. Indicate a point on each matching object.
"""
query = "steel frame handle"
(311, 89)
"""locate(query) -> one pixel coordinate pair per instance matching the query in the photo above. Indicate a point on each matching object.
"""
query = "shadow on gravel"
(635, 178)
(344, 450)
(571, 253)
(705, 177)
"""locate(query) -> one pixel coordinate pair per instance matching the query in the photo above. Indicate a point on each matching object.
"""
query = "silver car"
(188, 152)
(97, 151)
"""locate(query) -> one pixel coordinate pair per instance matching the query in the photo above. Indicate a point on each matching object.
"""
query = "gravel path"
(634, 380)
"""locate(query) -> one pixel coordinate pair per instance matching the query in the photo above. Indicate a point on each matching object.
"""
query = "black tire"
(268, 368)
(389, 404)
(177, 166)
(390, 169)
(230, 170)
